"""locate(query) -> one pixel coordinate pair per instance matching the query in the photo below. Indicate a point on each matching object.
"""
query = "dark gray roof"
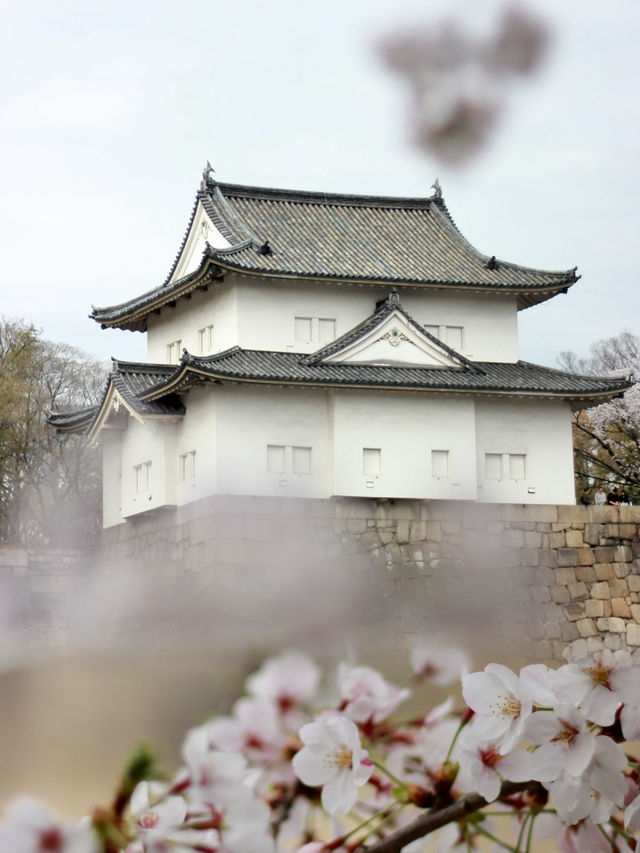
(132, 381)
(152, 389)
(316, 235)
(289, 368)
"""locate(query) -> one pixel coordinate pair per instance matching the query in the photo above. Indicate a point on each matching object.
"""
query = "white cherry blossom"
(366, 695)
(289, 679)
(485, 767)
(565, 743)
(441, 665)
(501, 704)
(599, 686)
(31, 828)
(155, 816)
(333, 757)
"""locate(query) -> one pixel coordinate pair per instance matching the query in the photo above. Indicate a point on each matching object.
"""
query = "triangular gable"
(113, 403)
(389, 337)
(202, 233)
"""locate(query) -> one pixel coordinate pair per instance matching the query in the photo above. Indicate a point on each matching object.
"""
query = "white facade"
(264, 434)
(250, 312)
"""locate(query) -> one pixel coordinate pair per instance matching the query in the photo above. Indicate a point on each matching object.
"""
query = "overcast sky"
(109, 110)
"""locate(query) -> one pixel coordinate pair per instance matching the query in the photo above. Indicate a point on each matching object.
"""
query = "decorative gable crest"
(389, 337)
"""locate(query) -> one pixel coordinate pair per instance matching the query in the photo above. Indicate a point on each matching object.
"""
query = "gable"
(202, 232)
(395, 341)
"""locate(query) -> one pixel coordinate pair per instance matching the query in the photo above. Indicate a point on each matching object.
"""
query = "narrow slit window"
(517, 466)
(301, 460)
(371, 461)
(142, 477)
(205, 337)
(173, 352)
(275, 459)
(187, 466)
(493, 466)
(439, 463)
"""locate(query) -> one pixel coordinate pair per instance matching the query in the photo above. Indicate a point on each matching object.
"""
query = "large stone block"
(622, 554)
(592, 534)
(578, 591)
(539, 512)
(572, 513)
(595, 609)
(573, 612)
(633, 634)
(587, 628)
(575, 539)
(567, 557)
(604, 554)
(558, 540)
(619, 607)
(586, 574)
(601, 591)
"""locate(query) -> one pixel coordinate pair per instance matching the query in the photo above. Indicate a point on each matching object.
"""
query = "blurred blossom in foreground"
(459, 74)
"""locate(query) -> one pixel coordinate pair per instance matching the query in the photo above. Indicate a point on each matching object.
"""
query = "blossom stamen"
(600, 675)
(339, 757)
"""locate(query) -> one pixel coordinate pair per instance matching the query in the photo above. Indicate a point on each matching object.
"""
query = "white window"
(505, 466)
(174, 352)
(439, 463)
(453, 337)
(301, 460)
(142, 477)
(187, 466)
(493, 466)
(275, 458)
(205, 339)
(371, 461)
(326, 330)
(303, 329)
(321, 330)
(517, 466)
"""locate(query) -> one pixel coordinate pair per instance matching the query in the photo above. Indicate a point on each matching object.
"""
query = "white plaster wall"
(197, 431)
(111, 477)
(152, 441)
(217, 305)
(202, 231)
(248, 418)
(539, 428)
(406, 428)
(267, 308)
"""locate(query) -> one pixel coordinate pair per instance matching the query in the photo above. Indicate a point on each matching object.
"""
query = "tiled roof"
(294, 369)
(316, 235)
(152, 389)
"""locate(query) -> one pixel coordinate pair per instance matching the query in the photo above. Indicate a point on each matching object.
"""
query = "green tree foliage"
(607, 437)
(49, 483)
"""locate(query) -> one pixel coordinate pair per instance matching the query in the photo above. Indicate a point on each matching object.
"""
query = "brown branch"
(431, 821)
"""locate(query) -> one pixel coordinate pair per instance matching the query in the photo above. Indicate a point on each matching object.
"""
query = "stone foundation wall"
(545, 577)
(35, 589)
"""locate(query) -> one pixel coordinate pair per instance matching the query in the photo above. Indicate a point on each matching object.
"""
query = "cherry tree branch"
(429, 822)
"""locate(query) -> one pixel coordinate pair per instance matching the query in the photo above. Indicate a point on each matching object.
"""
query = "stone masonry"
(546, 577)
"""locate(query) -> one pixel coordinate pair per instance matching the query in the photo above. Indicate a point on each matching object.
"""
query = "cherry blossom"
(632, 815)
(155, 816)
(440, 665)
(333, 757)
(366, 695)
(599, 686)
(287, 680)
(486, 767)
(566, 745)
(501, 704)
(31, 828)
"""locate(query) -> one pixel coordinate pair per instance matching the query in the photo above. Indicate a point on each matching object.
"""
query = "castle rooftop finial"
(437, 189)
(206, 176)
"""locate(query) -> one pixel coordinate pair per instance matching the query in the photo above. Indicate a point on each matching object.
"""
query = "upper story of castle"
(289, 271)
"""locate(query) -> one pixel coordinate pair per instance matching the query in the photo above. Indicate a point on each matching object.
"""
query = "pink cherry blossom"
(155, 817)
(366, 695)
(332, 757)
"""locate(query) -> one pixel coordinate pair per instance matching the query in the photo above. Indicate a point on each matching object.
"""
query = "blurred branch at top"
(459, 70)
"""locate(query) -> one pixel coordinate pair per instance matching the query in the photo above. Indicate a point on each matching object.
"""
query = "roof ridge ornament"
(437, 189)
(206, 176)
